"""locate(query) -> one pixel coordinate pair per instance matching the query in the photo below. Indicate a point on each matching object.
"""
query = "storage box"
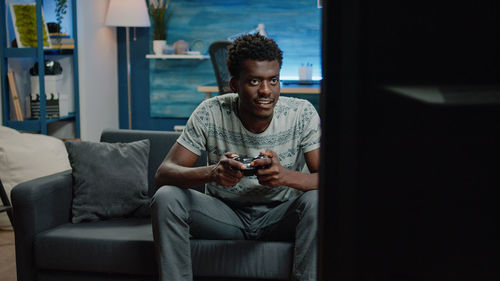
(58, 102)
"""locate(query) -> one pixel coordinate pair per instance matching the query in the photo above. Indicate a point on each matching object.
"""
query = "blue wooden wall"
(164, 91)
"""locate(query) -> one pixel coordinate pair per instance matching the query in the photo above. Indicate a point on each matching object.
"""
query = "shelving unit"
(164, 57)
(38, 54)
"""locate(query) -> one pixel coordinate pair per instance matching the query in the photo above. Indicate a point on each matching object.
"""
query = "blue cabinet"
(20, 60)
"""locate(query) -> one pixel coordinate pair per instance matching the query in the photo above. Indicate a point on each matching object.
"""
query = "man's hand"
(228, 171)
(275, 174)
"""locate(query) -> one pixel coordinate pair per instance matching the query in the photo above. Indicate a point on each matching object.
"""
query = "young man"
(279, 202)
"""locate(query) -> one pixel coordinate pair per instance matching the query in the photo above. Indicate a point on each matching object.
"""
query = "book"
(62, 43)
(63, 46)
(15, 97)
(61, 35)
(62, 40)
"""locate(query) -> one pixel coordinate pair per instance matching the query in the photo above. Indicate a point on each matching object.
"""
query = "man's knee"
(309, 205)
(167, 196)
(309, 199)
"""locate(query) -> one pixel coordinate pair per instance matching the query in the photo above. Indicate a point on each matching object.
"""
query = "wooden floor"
(7, 256)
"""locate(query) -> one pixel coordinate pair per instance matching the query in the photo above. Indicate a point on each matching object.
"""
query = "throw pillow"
(25, 156)
(109, 179)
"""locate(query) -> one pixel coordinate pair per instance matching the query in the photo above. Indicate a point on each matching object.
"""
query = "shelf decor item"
(15, 97)
(157, 10)
(56, 99)
(24, 19)
(128, 13)
(58, 38)
(61, 9)
(159, 46)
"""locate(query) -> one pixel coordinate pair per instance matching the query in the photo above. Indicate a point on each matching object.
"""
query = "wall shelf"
(20, 52)
(26, 125)
(32, 52)
(164, 57)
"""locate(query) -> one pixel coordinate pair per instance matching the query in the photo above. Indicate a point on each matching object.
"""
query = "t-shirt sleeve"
(311, 128)
(194, 136)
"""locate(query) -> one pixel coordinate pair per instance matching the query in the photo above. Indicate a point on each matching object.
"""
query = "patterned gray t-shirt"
(214, 127)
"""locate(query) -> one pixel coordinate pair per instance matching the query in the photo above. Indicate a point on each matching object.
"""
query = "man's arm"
(177, 169)
(277, 175)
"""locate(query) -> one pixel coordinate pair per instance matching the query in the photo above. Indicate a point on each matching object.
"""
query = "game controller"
(251, 170)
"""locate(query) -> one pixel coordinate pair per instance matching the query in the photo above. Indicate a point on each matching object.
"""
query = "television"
(410, 171)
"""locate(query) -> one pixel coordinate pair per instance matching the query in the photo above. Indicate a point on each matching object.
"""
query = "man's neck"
(252, 124)
(256, 126)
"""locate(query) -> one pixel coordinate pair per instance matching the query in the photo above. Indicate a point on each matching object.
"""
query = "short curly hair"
(254, 47)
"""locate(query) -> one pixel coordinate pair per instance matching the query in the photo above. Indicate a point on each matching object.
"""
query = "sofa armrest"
(38, 205)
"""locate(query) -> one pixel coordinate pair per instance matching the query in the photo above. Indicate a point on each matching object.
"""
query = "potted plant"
(157, 10)
(61, 9)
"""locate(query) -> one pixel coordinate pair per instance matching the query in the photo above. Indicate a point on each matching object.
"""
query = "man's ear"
(233, 83)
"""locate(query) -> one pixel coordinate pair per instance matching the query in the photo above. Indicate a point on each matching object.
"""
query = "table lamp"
(128, 13)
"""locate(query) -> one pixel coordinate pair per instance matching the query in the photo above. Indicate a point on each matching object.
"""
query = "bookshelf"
(16, 63)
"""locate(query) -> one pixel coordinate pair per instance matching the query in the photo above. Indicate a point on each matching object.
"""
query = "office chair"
(218, 54)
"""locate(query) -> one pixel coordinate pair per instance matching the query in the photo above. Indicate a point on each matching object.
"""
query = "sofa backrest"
(161, 142)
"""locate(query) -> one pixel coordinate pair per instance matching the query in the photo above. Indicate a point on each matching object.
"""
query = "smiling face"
(258, 88)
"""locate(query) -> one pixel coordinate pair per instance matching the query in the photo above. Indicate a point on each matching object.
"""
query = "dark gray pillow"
(109, 179)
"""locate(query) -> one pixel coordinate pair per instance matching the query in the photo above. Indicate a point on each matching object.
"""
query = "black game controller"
(250, 170)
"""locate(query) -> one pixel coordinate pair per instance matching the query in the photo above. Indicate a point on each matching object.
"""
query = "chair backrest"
(218, 54)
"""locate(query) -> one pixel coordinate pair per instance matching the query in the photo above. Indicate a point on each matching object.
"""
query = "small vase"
(159, 46)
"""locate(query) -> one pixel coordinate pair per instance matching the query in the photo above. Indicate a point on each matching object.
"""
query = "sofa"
(50, 247)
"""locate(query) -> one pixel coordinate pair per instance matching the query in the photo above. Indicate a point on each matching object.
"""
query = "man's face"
(258, 89)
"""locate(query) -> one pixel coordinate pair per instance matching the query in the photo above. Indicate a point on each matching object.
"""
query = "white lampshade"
(127, 13)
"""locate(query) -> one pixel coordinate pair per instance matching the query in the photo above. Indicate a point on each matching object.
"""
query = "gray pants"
(179, 214)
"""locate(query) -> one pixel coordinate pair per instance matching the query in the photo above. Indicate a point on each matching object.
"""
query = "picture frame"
(24, 22)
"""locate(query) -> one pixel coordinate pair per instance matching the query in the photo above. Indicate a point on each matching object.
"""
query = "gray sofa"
(50, 247)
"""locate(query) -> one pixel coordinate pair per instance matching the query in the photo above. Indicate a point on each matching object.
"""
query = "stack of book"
(61, 41)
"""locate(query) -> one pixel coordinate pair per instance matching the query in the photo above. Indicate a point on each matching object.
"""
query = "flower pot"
(159, 46)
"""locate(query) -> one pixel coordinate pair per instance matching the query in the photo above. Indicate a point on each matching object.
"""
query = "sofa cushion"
(126, 247)
(25, 156)
(110, 179)
(242, 259)
(161, 142)
(112, 246)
